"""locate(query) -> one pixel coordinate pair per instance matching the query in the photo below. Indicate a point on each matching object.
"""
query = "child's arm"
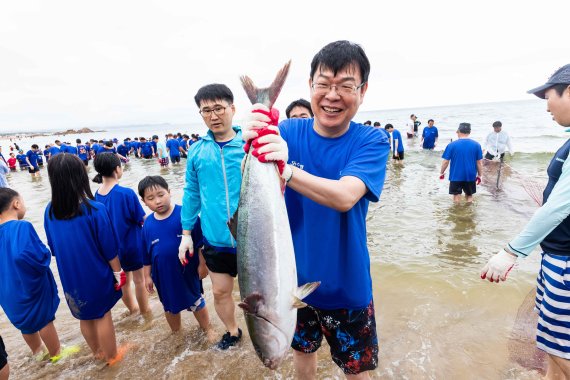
(148, 279)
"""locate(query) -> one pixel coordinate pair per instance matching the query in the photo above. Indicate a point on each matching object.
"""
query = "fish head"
(270, 342)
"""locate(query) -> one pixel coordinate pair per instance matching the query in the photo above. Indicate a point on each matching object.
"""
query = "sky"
(73, 64)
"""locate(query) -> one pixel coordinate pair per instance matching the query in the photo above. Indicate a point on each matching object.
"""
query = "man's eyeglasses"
(342, 89)
(218, 110)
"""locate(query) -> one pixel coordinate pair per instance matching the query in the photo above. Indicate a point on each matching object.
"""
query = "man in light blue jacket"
(213, 180)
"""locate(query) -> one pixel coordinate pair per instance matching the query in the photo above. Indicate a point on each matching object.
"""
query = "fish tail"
(266, 96)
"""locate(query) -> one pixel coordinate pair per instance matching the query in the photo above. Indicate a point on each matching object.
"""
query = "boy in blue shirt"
(465, 156)
(335, 168)
(179, 285)
(397, 143)
(429, 136)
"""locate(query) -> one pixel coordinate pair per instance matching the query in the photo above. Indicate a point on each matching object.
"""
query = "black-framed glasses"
(341, 89)
(218, 110)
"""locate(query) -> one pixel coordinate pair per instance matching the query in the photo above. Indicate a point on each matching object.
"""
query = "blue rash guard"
(146, 149)
(83, 247)
(178, 287)
(33, 158)
(127, 216)
(123, 150)
(22, 160)
(330, 246)
(463, 154)
(397, 136)
(28, 293)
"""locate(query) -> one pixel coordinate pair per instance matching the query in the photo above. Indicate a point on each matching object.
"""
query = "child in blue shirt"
(85, 246)
(179, 286)
(127, 216)
(28, 293)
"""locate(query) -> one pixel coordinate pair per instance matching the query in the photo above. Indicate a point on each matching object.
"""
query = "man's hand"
(186, 245)
(498, 266)
(270, 146)
(442, 176)
(149, 284)
(120, 279)
(259, 118)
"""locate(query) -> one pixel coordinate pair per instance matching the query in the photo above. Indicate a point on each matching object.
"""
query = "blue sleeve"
(546, 218)
(147, 255)
(191, 198)
(105, 234)
(447, 153)
(479, 152)
(48, 235)
(35, 257)
(436, 133)
(424, 132)
(137, 212)
(368, 163)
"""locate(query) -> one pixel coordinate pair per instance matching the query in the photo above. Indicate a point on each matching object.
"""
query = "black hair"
(78, 141)
(69, 186)
(150, 182)
(185, 136)
(105, 164)
(340, 55)
(388, 126)
(560, 88)
(376, 123)
(430, 120)
(109, 144)
(57, 141)
(7, 195)
(214, 91)
(368, 122)
(497, 124)
(35, 146)
(298, 103)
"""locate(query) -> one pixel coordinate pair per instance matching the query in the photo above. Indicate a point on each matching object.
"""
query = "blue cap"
(560, 76)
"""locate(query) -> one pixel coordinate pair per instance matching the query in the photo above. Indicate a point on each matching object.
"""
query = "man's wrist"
(287, 173)
(186, 232)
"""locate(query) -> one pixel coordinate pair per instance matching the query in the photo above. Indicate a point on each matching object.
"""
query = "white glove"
(254, 121)
(186, 245)
(498, 266)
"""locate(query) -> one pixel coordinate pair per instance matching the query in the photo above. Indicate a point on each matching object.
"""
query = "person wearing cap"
(497, 142)
(549, 227)
(465, 156)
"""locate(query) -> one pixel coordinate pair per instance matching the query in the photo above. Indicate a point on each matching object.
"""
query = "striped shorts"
(553, 305)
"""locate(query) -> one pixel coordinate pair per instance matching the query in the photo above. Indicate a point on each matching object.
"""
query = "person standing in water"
(497, 142)
(549, 227)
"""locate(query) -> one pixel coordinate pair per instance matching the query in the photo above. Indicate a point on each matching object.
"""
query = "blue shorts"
(553, 305)
(350, 333)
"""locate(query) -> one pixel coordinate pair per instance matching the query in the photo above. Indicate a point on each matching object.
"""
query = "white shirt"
(498, 143)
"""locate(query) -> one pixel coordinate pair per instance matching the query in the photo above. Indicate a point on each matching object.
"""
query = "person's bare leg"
(127, 298)
(5, 372)
(140, 291)
(222, 287)
(456, 198)
(174, 321)
(106, 336)
(468, 198)
(51, 339)
(361, 376)
(89, 332)
(558, 368)
(34, 341)
(305, 365)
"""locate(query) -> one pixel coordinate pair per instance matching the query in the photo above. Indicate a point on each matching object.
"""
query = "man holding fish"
(333, 168)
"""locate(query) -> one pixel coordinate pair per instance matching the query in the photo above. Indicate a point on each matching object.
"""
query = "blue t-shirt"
(95, 148)
(178, 287)
(83, 247)
(330, 246)
(429, 134)
(33, 158)
(123, 150)
(69, 149)
(22, 160)
(28, 293)
(82, 152)
(174, 146)
(155, 147)
(463, 154)
(397, 136)
(54, 151)
(127, 216)
(146, 148)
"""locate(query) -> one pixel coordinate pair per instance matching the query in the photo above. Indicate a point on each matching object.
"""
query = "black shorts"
(148, 157)
(468, 187)
(489, 156)
(399, 157)
(3, 354)
(350, 333)
(220, 262)
(175, 159)
(33, 170)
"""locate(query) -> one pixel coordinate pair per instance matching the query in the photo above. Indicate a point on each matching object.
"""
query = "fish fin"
(266, 96)
(298, 304)
(302, 292)
(252, 303)
(232, 225)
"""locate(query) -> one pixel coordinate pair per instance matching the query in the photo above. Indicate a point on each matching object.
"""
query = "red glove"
(120, 279)
(442, 176)
(273, 115)
(477, 180)
(262, 157)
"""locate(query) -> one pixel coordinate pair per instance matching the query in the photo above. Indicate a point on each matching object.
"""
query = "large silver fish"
(267, 273)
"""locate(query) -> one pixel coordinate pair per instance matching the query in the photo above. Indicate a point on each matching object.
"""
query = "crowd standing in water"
(332, 166)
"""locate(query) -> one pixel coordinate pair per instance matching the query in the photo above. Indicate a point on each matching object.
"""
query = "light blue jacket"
(3, 170)
(213, 181)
